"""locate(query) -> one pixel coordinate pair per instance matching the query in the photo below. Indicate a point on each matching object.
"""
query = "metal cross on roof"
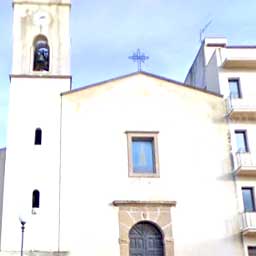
(139, 58)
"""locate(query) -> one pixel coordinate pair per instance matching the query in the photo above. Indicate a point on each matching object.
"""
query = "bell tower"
(41, 33)
(40, 73)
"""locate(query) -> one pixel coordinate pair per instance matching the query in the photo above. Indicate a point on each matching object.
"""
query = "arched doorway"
(146, 240)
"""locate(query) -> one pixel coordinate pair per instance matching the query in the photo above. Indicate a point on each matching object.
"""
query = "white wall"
(34, 102)
(194, 165)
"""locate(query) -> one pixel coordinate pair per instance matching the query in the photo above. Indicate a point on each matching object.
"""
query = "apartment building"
(231, 71)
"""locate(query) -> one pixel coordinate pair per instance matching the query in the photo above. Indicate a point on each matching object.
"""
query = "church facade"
(135, 165)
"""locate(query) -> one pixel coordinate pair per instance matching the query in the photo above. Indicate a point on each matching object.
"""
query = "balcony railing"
(245, 164)
(248, 223)
(237, 107)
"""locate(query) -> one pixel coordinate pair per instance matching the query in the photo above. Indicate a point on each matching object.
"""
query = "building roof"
(138, 73)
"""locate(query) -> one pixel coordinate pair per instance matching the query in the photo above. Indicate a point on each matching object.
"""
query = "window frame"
(244, 132)
(131, 136)
(249, 248)
(237, 80)
(252, 198)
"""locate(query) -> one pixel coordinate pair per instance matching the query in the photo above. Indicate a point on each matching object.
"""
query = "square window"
(143, 154)
(234, 88)
(241, 141)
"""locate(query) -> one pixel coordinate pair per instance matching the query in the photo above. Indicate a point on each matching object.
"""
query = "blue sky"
(105, 33)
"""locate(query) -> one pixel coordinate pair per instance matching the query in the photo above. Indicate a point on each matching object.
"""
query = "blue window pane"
(241, 142)
(143, 156)
(248, 199)
(234, 89)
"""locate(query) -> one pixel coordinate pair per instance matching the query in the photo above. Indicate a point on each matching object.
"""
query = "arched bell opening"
(41, 54)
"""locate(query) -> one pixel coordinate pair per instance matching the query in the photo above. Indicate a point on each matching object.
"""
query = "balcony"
(239, 57)
(239, 107)
(248, 223)
(245, 164)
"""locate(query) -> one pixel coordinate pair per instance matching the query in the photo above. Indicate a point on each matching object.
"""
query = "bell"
(40, 58)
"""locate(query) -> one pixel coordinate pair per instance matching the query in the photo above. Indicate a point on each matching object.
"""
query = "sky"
(105, 33)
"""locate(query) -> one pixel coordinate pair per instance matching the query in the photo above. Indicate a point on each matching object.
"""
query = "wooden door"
(145, 240)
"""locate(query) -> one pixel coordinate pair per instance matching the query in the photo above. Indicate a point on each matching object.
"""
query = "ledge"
(143, 203)
(40, 76)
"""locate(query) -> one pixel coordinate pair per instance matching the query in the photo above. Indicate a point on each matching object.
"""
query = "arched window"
(36, 199)
(41, 54)
(38, 136)
(146, 239)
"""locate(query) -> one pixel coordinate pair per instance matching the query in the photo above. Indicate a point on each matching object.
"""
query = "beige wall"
(193, 157)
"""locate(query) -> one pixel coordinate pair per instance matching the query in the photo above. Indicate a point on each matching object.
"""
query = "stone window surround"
(143, 134)
(155, 212)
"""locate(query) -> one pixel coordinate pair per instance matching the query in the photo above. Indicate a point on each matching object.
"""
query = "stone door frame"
(156, 212)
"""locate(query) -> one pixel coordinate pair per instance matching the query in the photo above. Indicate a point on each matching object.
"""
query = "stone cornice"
(41, 76)
(144, 203)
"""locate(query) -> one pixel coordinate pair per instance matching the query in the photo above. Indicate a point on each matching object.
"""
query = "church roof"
(137, 73)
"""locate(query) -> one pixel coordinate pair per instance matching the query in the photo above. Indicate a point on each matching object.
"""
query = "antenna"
(203, 30)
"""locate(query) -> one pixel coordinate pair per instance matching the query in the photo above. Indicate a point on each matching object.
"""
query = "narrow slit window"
(38, 136)
(36, 199)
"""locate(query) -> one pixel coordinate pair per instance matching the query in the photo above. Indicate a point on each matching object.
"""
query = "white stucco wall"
(194, 165)
(34, 103)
